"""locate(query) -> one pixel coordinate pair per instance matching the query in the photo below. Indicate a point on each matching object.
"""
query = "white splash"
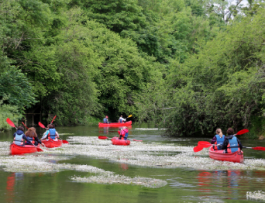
(111, 179)
(256, 195)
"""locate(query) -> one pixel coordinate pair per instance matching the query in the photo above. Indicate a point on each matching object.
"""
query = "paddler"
(120, 132)
(19, 136)
(106, 119)
(33, 137)
(218, 139)
(51, 133)
(126, 132)
(121, 119)
(231, 143)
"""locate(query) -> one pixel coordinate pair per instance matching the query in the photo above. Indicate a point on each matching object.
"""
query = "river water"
(149, 171)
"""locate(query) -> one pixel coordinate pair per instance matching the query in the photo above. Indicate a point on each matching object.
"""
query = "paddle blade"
(137, 140)
(65, 142)
(10, 122)
(53, 119)
(129, 116)
(259, 148)
(39, 149)
(204, 143)
(197, 148)
(241, 132)
(41, 125)
(102, 137)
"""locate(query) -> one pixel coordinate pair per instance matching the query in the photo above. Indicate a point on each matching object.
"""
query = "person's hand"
(42, 144)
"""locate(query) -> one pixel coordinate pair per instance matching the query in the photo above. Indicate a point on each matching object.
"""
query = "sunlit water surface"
(183, 184)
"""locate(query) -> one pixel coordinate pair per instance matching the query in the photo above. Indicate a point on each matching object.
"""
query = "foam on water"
(111, 179)
(154, 154)
(256, 195)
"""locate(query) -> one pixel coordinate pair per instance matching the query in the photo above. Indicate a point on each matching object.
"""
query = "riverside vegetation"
(187, 65)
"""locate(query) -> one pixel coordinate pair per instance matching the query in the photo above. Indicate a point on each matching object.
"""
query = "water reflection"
(124, 167)
(10, 185)
(221, 178)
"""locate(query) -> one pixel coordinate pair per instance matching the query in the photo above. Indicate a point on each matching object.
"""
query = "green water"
(183, 185)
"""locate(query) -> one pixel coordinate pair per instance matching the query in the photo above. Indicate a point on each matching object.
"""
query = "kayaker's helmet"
(107, 117)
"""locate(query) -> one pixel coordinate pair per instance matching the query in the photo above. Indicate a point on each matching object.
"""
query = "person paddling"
(120, 133)
(218, 139)
(51, 133)
(20, 137)
(33, 137)
(121, 120)
(106, 119)
(126, 132)
(231, 143)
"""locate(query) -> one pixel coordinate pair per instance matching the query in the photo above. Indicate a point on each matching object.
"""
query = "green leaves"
(16, 85)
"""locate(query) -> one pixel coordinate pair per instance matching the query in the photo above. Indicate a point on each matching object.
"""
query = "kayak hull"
(117, 141)
(236, 157)
(115, 125)
(52, 143)
(18, 150)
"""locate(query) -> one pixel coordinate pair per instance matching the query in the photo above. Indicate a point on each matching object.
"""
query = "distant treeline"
(188, 65)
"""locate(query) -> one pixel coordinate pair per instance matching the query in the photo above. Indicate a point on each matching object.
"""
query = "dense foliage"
(189, 65)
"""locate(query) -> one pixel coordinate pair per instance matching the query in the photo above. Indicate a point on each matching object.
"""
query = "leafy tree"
(16, 85)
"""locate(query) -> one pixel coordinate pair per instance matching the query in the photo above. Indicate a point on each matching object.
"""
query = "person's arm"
(38, 140)
(239, 143)
(45, 135)
(57, 134)
(224, 145)
(25, 138)
(213, 140)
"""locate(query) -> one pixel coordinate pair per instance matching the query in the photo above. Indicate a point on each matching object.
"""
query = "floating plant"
(256, 195)
(120, 179)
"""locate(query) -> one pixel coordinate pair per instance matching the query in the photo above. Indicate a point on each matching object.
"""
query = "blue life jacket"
(126, 135)
(233, 143)
(219, 140)
(30, 139)
(105, 120)
(121, 121)
(52, 133)
(18, 139)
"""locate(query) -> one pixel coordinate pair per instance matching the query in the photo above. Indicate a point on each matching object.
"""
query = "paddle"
(13, 125)
(206, 145)
(105, 137)
(25, 125)
(241, 132)
(43, 126)
(10, 123)
(53, 119)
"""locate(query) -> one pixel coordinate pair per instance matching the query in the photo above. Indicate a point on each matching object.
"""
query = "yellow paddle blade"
(129, 116)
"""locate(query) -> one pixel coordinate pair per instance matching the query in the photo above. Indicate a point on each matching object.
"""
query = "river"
(151, 171)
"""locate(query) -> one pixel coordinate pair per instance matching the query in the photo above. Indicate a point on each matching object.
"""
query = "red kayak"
(52, 143)
(18, 150)
(117, 141)
(115, 125)
(232, 157)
